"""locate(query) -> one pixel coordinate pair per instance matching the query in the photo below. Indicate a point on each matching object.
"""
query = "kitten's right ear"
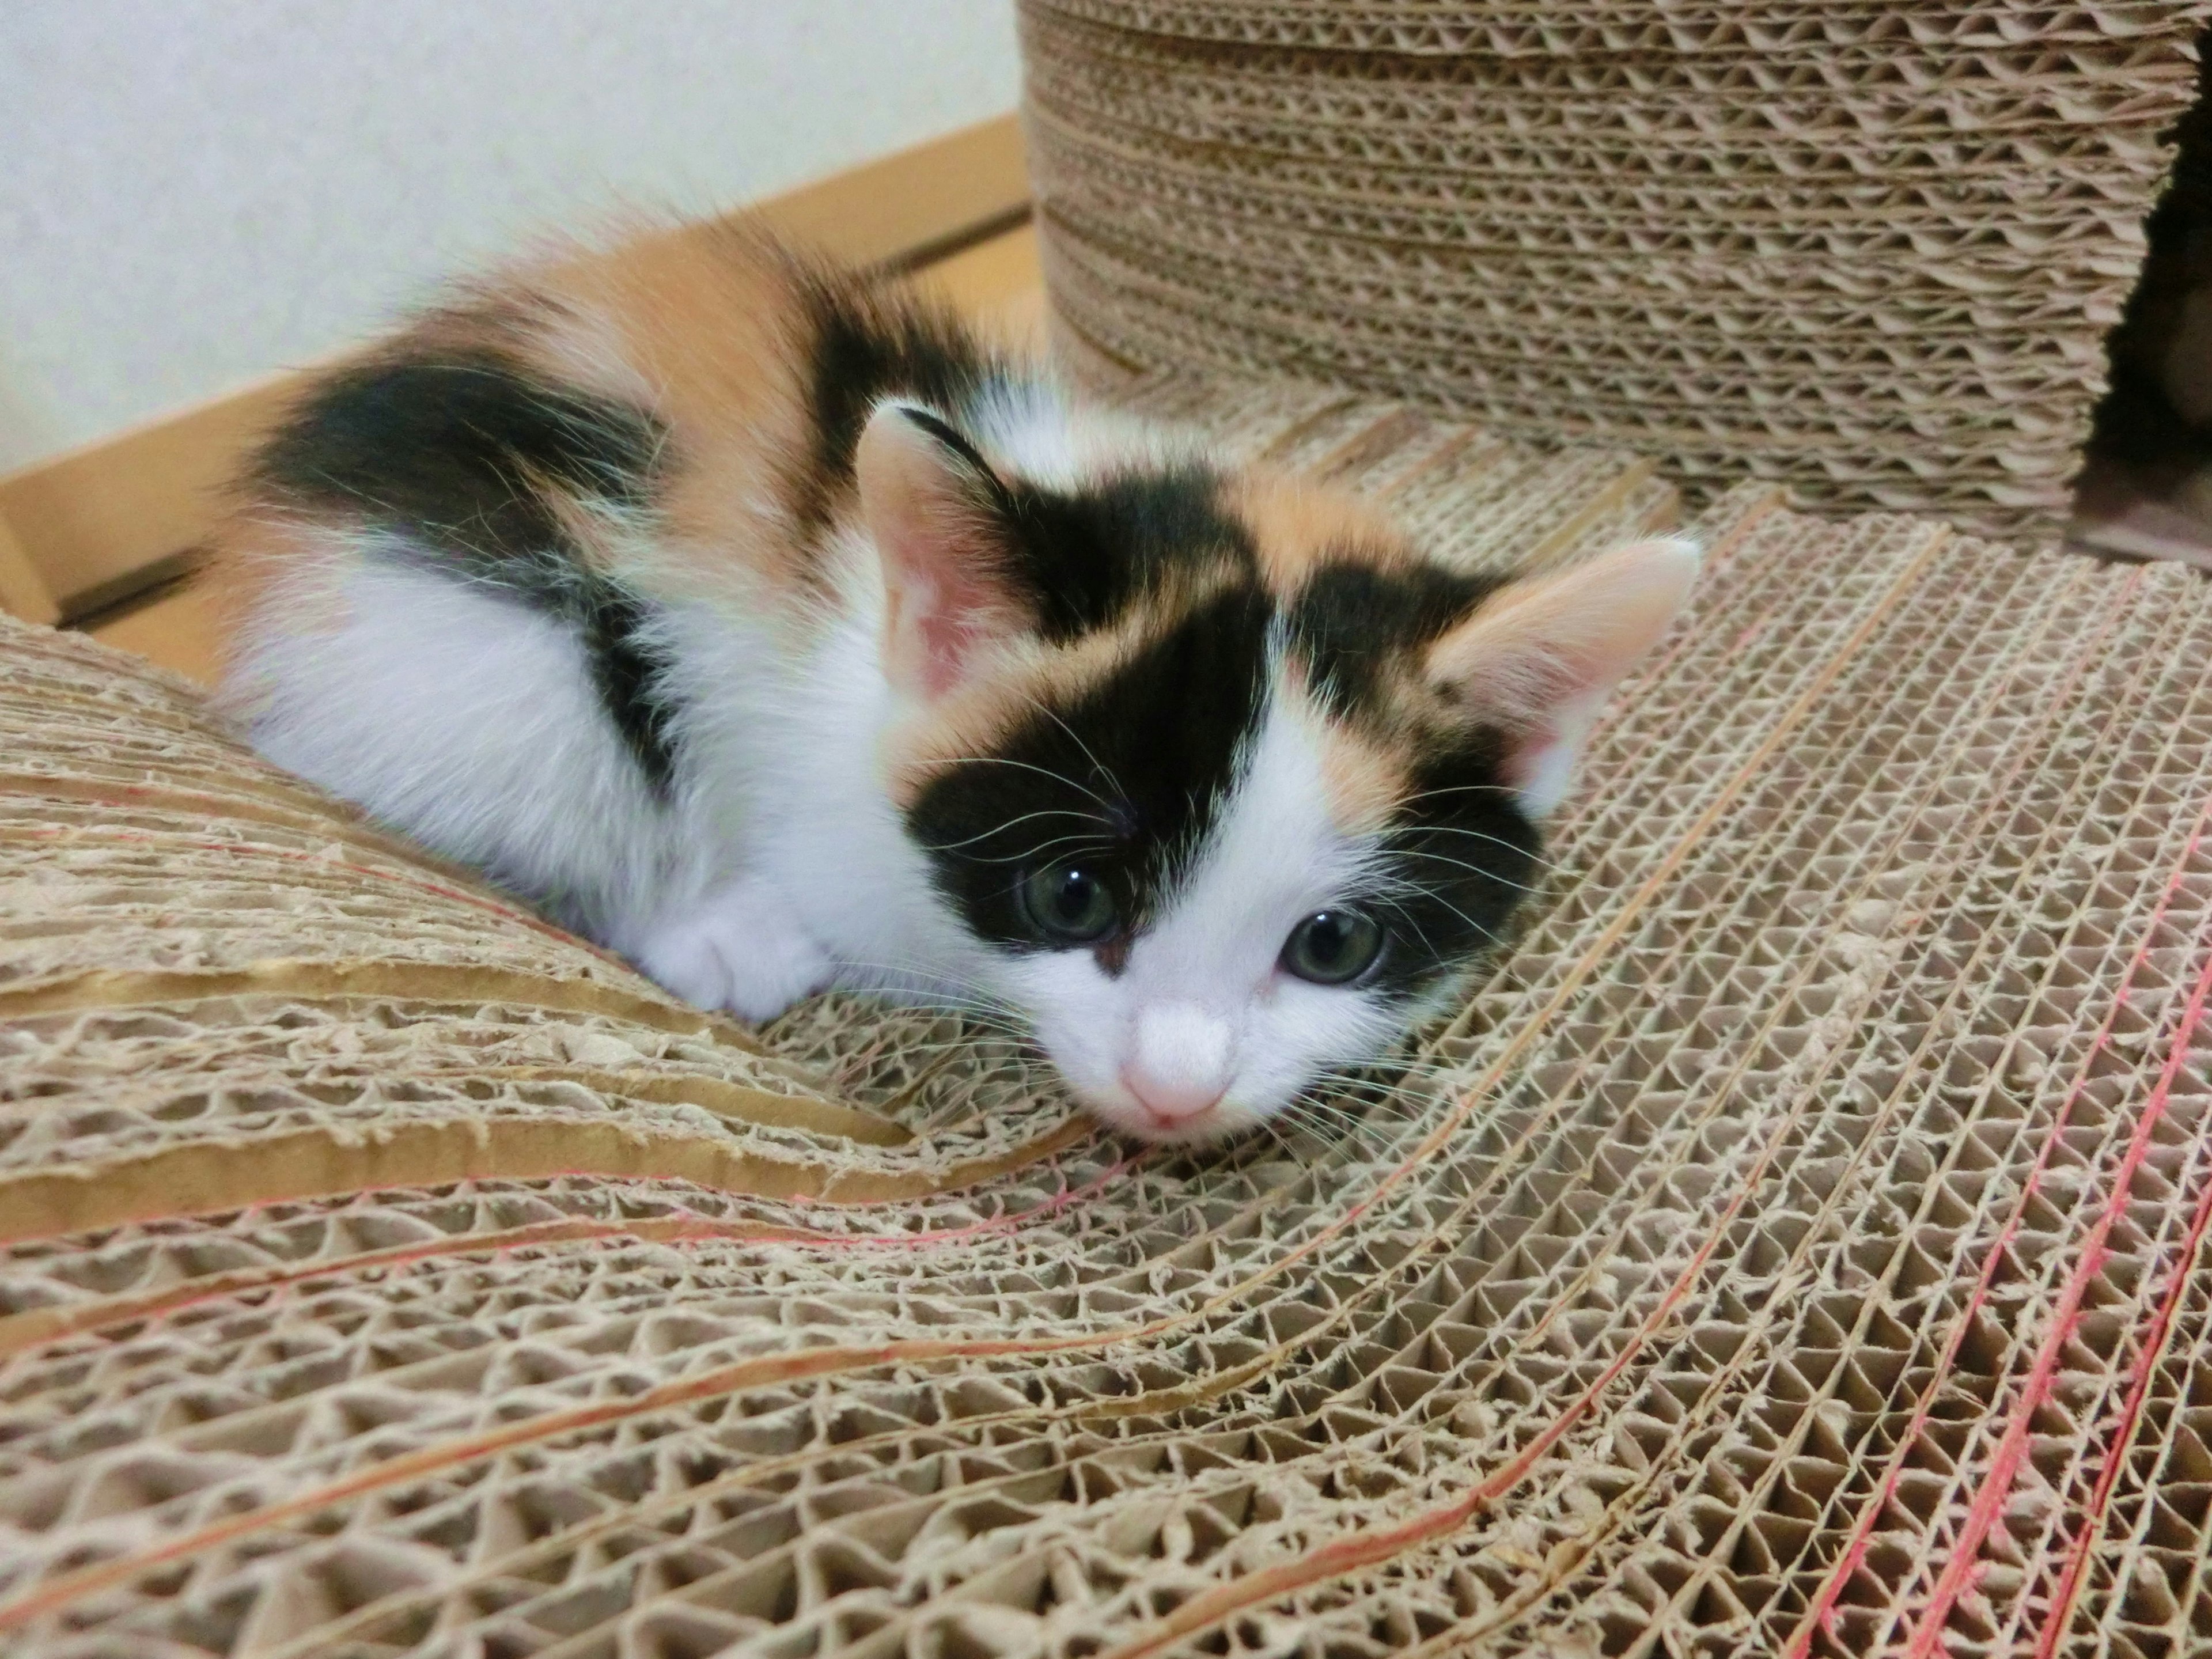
(1538, 659)
(935, 510)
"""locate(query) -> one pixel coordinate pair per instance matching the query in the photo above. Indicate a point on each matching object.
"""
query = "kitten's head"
(1229, 785)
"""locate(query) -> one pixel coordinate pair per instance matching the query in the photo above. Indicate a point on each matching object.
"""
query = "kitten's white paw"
(741, 949)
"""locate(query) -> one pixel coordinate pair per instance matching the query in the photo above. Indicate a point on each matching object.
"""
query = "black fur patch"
(1458, 857)
(858, 355)
(453, 455)
(1352, 618)
(445, 450)
(1128, 776)
(1459, 852)
(1084, 556)
(626, 672)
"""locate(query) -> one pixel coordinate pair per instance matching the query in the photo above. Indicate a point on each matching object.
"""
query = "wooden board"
(175, 628)
(997, 282)
(22, 590)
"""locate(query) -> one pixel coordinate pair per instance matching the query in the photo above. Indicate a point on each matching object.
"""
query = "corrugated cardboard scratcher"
(1868, 249)
(1794, 1245)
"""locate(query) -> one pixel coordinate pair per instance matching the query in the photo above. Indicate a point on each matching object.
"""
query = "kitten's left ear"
(1539, 657)
(935, 510)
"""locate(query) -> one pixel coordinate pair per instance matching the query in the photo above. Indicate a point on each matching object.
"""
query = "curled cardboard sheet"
(1795, 1243)
(1868, 251)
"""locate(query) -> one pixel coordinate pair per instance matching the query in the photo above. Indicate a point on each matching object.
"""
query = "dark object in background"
(2146, 483)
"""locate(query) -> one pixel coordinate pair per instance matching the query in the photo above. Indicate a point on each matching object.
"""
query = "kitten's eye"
(1331, 947)
(1067, 904)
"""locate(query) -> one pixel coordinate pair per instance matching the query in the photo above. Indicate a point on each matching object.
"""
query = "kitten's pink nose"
(1169, 1103)
(1178, 1066)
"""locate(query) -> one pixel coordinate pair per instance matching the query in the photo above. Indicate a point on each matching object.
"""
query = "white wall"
(193, 192)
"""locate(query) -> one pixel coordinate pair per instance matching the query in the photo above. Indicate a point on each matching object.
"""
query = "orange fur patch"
(1363, 776)
(1363, 782)
(974, 720)
(1296, 523)
(705, 333)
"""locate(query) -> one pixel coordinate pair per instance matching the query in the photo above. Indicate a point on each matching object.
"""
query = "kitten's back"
(718, 379)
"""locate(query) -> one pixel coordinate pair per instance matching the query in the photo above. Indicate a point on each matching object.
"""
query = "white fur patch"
(1029, 427)
(462, 717)
(469, 720)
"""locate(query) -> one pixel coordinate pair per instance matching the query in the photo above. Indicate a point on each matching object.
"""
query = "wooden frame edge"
(95, 525)
(23, 591)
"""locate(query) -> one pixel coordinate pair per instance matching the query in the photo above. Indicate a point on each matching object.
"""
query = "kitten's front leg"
(743, 948)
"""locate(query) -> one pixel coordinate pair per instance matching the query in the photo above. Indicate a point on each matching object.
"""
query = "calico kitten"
(764, 625)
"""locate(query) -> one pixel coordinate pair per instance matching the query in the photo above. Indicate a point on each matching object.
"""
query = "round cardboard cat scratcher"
(1795, 1245)
(1869, 249)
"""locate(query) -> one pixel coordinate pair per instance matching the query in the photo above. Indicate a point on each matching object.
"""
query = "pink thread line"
(706, 1230)
(2004, 1467)
(1350, 1551)
(1821, 1614)
(697, 1229)
(1066, 1199)
(2077, 1554)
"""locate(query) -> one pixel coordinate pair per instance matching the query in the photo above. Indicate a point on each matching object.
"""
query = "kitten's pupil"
(1331, 947)
(1068, 904)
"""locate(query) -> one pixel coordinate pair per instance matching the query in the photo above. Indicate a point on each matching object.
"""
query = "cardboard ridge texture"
(1867, 251)
(1795, 1245)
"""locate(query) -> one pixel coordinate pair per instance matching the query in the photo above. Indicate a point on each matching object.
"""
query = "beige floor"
(996, 281)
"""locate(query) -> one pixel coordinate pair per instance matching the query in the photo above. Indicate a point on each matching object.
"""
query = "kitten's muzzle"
(1180, 1062)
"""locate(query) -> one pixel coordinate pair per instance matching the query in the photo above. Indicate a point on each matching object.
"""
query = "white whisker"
(1472, 869)
(1042, 771)
(1011, 824)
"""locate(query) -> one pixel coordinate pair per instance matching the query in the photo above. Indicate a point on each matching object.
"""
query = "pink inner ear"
(951, 628)
(946, 601)
(1540, 658)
